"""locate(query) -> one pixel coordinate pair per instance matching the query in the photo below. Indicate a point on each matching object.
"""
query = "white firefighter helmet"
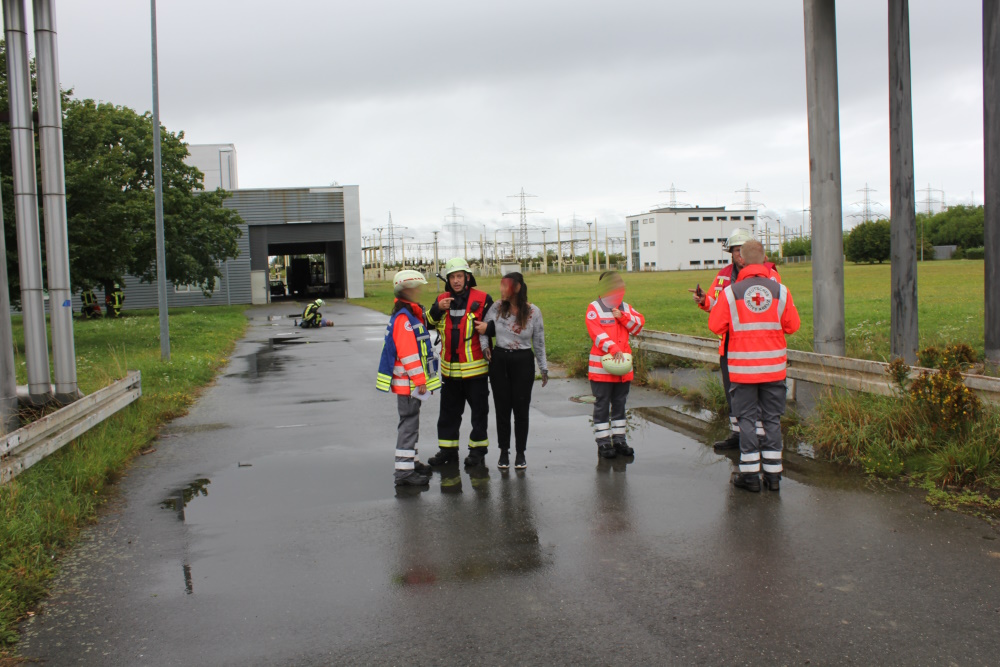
(406, 280)
(736, 239)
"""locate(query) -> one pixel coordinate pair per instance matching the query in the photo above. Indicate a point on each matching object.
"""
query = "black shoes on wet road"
(730, 443)
(622, 449)
(504, 461)
(414, 478)
(617, 449)
(444, 457)
(476, 457)
(520, 463)
(772, 480)
(747, 480)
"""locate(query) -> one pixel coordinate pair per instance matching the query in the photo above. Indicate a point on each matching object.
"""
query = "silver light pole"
(161, 260)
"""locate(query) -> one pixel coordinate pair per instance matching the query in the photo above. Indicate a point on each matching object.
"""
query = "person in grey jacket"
(520, 342)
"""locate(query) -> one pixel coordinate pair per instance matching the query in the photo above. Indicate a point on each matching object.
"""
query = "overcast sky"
(593, 106)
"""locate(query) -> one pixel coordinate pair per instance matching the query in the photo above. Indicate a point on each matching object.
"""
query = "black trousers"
(454, 395)
(512, 375)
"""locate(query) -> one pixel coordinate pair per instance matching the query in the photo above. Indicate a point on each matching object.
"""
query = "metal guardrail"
(843, 372)
(28, 445)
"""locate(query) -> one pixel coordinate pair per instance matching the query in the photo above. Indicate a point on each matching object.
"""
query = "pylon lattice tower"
(522, 242)
(390, 251)
(456, 222)
(673, 191)
(929, 201)
(867, 205)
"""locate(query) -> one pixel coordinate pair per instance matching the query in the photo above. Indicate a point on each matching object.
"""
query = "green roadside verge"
(43, 510)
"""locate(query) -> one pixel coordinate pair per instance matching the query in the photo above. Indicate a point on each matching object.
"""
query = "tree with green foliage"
(800, 247)
(962, 226)
(868, 242)
(109, 200)
(109, 188)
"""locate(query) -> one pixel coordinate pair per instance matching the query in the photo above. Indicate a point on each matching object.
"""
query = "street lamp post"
(161, 258)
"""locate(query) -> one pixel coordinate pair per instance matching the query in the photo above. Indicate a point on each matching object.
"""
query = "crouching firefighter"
(89, 308)
(311, 317)
(409, 369)
(755, 313)
(464, 368)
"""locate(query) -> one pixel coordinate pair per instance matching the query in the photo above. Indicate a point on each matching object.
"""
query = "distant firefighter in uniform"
(464, 367)
(89, 308)
(312, 318)
(115, 301)
(728, 275)
(610, 322)
(409, 369)
(754, 314)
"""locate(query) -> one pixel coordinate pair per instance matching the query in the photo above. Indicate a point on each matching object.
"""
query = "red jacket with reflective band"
(407, 367)
(755, 313)
(610, 336)
(470, 361)
(722, 280)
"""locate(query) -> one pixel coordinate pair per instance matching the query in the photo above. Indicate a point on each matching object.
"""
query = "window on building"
(646, 265)
(645, 244)
(652, 243)
(693, 218)
(721, 217)
(708, 240)
(695, 262)
(694, 240)
(652, 265)
(635, 227)
(707, 218)
(723, 261)
(187, 289)
(748, 217)
(709, 262)
(736, 217)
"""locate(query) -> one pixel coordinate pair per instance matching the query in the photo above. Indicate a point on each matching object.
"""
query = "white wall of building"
(682, 239)
(217, 162)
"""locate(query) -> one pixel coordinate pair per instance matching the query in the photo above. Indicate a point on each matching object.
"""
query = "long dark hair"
(520, 300)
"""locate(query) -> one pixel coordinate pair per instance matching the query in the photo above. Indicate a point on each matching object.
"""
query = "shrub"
(868, 242)
(944, 400)
(975, 253)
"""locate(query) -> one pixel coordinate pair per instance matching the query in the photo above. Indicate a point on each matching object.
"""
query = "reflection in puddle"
(179, 498)
(188, 581)
(261, 363)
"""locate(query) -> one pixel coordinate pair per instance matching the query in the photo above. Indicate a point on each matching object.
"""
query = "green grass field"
(42, 510)
(951, 305)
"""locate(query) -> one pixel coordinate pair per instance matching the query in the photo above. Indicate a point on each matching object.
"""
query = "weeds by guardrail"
(28, 445)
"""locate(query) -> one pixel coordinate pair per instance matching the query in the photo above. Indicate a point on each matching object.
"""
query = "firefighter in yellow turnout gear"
(464, 368)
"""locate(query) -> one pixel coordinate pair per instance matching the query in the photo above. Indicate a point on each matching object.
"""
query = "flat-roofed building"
(683, 238)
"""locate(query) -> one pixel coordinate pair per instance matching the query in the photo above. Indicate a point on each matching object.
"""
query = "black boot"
(444, 457)
(606, 451)
(730, 443)
(414, 478)
(520, 463)
(504, 462)
(772, 480)
(420, 466)
(476, 457)
(623, 449)
(749, 481)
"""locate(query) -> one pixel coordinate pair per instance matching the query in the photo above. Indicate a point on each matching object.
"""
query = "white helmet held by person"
(407, 279)
(736, 239)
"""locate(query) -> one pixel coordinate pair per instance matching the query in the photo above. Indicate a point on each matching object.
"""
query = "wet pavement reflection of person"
(486, 528)
(612, 511)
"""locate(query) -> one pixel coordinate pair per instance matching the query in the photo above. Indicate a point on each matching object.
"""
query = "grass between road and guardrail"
(43, 509)
(887, 437)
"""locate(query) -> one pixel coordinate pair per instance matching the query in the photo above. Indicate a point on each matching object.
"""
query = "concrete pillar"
(991, 144)
(50, 137)
(29, 251)
(904, 334)
(825, 193)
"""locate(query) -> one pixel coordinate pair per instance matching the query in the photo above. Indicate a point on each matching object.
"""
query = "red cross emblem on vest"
(757, 299)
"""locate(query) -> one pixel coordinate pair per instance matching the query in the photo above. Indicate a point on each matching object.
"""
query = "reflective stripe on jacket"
(408, 358)
(87, 298)
(469, 360)
(722, 280)
(311, 312)
(610, 336)
(755, 313)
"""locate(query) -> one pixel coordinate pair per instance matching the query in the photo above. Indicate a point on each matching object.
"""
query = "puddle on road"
(179, 498)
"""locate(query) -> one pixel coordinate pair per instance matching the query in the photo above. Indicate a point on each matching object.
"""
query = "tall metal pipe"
(26, 202)
(904, 332)
(825, 193)
(8, 377)
(161, 253)
(991, 144)
(50, 138)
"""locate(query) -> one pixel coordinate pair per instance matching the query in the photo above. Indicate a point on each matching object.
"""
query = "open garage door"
(312, 256)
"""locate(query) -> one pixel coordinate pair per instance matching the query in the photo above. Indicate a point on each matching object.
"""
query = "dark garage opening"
(313, 269)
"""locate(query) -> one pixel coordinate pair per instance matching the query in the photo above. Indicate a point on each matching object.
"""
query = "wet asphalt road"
(265, 530)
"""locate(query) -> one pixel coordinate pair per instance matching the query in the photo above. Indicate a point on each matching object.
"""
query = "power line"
(673, 197)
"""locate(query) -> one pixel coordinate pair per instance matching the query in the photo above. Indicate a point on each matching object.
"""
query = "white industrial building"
(678, 239)
(217, 162)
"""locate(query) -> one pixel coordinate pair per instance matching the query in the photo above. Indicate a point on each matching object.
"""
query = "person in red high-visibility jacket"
(755, 313)
(610, 322)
